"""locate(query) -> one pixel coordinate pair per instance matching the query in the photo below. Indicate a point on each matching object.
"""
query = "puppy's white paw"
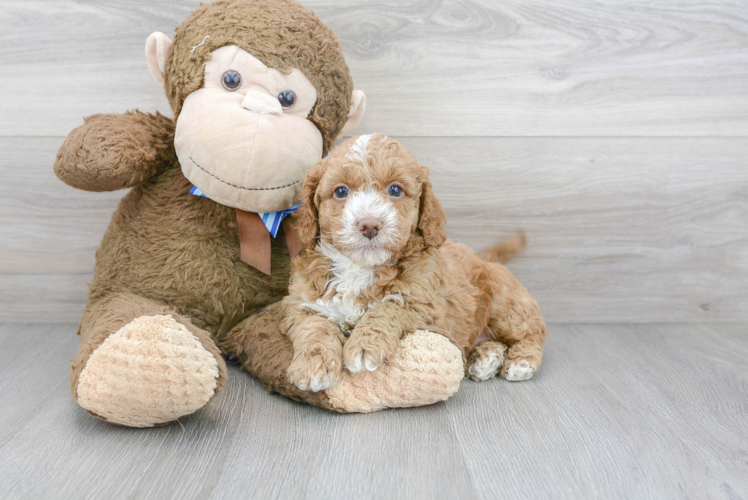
(356, 365)
(370, 363)
(486, 367)
(516, 372)
(321, 383)
(361, 363)
(485, 360)
(315, 370)
(363, 360)
(368, 349)
(316, 384)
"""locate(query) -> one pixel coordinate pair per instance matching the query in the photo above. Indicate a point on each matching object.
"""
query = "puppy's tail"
(506, 250)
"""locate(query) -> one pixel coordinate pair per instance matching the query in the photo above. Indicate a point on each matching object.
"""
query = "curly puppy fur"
(377, 265)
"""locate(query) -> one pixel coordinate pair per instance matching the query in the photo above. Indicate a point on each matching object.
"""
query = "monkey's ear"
(358, 107)
(306, 216)
(156, 52)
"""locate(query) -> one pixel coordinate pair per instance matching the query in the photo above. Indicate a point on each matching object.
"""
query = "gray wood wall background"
(613, 132)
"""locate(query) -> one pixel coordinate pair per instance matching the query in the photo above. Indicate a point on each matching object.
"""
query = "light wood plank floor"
(618, 411)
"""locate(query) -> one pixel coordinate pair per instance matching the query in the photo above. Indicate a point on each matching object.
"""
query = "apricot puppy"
(377, 265)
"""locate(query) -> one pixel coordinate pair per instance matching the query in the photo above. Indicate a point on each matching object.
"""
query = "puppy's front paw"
(315, 369)
(367, 349)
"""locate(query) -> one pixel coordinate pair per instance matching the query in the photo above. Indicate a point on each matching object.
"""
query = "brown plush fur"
(177, 251)
(107, 315)
(175, 248)
(282, 35)
(167, 251)
(424, 280)
(262, 333)
(111, 152)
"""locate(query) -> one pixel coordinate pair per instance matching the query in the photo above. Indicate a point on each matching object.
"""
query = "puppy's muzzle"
(370, 227)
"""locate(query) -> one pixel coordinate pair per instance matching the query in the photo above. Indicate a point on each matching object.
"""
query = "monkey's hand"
(116, 151)
(426, 368)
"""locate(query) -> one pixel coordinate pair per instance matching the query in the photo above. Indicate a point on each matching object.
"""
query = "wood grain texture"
(624, 230)
(429, 67)
(627, 221)
(612, 132)
(617, 412)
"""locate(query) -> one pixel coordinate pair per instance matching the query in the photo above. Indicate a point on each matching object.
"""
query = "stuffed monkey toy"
(198, 252)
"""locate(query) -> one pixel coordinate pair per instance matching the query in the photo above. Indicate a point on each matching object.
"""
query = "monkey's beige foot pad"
(426, 369)
(150, 372)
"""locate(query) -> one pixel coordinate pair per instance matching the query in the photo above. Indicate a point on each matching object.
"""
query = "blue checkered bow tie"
(272, 220)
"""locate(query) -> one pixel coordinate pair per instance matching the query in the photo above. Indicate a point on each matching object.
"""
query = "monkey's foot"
(150, 372)
(426, 369)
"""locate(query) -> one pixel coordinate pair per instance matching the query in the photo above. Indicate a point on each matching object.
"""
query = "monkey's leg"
(426, 368)
(266, 353)
(141, 364)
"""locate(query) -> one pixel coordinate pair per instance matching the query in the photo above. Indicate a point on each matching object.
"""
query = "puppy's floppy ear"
(306, 215)
(432, 220)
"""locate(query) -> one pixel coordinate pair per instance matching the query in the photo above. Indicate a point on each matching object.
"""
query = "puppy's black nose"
(370, 227)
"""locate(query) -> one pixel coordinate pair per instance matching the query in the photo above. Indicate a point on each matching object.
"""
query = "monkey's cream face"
(244, 138)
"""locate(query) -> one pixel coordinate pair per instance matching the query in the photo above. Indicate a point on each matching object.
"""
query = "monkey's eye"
(231, 80)
(341, 192)
(287, 98)
(395, 191)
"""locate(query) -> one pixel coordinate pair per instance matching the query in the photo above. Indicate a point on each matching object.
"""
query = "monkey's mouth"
(242, 187)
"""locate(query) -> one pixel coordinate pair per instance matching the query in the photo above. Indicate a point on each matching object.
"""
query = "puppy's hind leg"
(525, 334)
(523, 360)
(485, 360)
(514, 319)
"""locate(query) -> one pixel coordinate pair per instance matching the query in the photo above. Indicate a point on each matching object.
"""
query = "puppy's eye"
(231, 80)
(395, 191)
(341, 192)
(287, 98)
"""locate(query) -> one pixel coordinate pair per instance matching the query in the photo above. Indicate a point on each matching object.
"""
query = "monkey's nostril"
(370, 227)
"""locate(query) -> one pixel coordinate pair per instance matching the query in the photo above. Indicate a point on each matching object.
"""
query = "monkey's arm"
(116, 151)
(426, 368)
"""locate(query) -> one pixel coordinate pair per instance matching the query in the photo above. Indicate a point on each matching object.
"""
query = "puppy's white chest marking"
(340, 310)
(348, 280)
